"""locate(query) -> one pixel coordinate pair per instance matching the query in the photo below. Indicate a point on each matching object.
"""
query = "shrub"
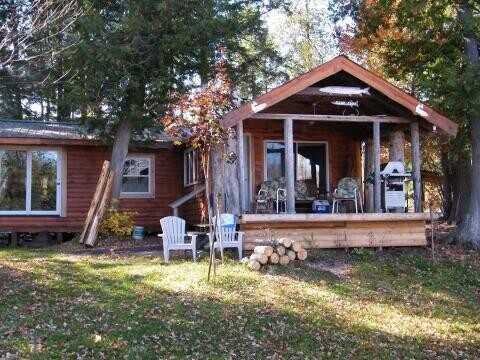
(118, 223)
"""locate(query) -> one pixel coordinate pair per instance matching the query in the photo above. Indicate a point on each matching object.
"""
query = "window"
(30, 182)
(190, 167)
(275, 160)
(137, 177)
(310, 162)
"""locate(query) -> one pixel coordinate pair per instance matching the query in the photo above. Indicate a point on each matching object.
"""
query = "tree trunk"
(231, 179)
(218, 178)
(119, 153)
(469, 230)
(397, 153)
(447, 186)
(368, 170)
(208, 195)
(460, 195)
(397, 145)
(132, 109)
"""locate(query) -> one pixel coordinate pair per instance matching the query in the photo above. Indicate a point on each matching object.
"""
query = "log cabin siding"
(83, 166)
(344, 148)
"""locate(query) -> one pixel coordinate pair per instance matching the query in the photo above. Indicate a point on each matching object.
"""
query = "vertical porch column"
(397, 145)
(416, 164)
(289, 164)
(376, 168)
(369, 195)
(397, 153)
(241, 164)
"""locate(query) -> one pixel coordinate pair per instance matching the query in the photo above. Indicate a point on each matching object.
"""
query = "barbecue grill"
(393, 190)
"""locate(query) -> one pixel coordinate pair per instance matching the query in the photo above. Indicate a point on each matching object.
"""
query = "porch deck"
(337, 230)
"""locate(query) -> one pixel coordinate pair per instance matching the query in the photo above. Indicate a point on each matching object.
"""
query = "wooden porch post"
(376, 168)
(397, 153)
(241, 164)
(369, 195)
(289, 164)
(416, 164)
(397, 145)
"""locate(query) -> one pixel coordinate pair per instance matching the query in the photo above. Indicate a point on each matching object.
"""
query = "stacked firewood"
(280, 251)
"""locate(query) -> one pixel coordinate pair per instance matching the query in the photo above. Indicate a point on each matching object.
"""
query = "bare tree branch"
(33, 22)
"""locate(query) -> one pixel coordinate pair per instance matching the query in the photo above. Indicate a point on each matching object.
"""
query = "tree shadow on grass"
(132, 317)
(412, 283)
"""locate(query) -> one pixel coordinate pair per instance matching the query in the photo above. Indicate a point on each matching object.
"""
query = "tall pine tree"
(133, 55)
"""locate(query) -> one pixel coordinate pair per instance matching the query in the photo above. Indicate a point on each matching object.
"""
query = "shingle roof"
(62, 131)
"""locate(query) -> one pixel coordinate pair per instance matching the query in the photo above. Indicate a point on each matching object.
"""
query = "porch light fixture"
(345, 90)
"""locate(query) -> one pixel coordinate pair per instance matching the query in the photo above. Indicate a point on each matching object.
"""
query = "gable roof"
(340, 63)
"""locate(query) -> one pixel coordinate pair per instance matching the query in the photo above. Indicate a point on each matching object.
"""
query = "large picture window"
(30, 182)
(137, 177)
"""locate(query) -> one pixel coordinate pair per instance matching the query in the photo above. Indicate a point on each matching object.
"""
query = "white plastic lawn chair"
(174, 237)
(226, 234)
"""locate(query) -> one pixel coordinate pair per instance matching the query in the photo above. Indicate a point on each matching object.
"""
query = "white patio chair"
(174, 237)
(226, 234)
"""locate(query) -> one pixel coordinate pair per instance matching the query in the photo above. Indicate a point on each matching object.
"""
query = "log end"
(254, 265)
(274, 258)
(302, 254)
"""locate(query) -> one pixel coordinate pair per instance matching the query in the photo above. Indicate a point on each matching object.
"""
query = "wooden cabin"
(49, 171)
(320, 127)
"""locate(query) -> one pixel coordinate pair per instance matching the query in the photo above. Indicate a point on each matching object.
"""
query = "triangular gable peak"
(329, 69)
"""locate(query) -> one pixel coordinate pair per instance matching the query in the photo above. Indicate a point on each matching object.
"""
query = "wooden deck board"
(337, 230)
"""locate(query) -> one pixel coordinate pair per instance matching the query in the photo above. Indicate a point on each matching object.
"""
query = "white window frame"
(296, 142)
(151, 177)
(194, 170)
(28, 182)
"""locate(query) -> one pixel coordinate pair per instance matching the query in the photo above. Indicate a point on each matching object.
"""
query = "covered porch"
(335, 122)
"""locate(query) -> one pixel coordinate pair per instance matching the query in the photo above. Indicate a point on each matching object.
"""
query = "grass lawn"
(396, 305)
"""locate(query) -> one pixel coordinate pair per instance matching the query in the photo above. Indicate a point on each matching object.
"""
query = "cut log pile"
(281, 251)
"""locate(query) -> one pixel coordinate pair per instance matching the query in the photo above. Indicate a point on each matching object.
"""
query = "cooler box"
(321, 206)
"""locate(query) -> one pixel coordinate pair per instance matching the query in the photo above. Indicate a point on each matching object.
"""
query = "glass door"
(311, 165)
(30, 182)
